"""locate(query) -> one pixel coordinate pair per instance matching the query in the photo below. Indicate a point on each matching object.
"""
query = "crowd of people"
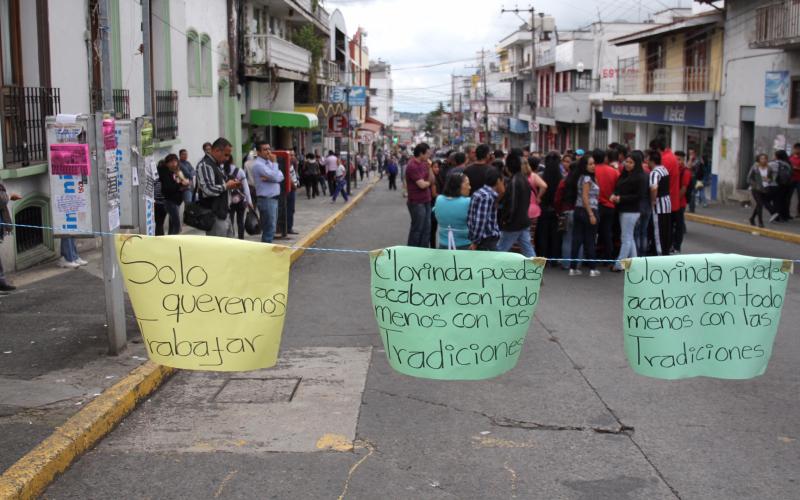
(575, 208)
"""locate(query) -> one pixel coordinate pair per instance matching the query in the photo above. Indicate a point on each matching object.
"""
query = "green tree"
(307, 38)
(432, 118)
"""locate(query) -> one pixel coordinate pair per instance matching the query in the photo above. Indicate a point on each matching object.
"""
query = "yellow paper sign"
(206, 303)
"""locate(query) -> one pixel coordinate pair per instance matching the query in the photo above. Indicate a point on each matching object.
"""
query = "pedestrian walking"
(311, 176)
(418, 181)
(213, 188)
(630, 191)
(340, 181)
(484, 232)
(267, 177)
(188, 173)
(7, 228)
(782, 192)
(391, 170)
(331, 166)
(586, 216)
(515, 218)
(240, 199)
(661, 201)
(761, 179)
(452, 210)
(173, 186)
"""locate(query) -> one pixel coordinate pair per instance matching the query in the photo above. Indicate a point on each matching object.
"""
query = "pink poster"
(109, 136)
(70, 159)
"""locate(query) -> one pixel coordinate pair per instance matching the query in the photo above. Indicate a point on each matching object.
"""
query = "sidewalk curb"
(736, 226)
(32, 473)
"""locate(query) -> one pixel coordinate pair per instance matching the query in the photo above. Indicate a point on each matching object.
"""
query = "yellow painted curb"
(34, 472)
(31, 474)
(737, 226)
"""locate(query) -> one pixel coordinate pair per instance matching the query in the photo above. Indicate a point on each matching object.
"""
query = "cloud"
(410, 33)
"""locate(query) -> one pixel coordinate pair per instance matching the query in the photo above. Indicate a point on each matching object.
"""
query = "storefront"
(684, 124)
(288, 130)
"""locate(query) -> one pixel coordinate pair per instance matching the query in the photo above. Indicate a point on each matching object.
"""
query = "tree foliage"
(307, 38)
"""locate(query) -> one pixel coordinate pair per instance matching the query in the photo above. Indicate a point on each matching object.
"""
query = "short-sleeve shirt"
(594, 192)
(660, 179)
(417, 170)
(452, 213)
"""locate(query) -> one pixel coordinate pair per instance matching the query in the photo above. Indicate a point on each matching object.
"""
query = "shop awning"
(370, 127)
(291, 119)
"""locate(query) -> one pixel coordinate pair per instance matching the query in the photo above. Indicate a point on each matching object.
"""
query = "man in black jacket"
(514, 221)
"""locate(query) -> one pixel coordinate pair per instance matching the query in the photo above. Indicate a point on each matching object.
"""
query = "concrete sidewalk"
(736, 216)
(53, 359)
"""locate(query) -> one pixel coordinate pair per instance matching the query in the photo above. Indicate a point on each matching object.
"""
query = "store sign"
(695, 114)
(337, 94)
(337, 124)
(358, 96)
(517, 126)
(365, 137)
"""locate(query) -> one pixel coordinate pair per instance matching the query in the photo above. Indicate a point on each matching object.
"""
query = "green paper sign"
(451, 314)
(711, 315)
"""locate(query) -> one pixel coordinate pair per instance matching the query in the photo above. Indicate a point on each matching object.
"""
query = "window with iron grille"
(29, 238)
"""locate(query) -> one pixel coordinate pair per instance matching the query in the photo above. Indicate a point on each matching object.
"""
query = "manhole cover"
(257, 390)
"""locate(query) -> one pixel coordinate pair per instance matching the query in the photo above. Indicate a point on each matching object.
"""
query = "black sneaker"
(5, 287)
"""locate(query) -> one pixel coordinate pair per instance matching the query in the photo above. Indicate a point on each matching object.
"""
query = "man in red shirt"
(678, 220)
(606, 177)
(795, 161)
(418, 182)
(670, 162)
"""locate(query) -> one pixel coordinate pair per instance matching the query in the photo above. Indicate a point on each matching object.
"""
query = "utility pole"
(534, 83)
(147, 56)
(485, 99)
(112, 277)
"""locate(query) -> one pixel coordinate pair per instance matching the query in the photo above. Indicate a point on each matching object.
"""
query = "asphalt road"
(570, 421)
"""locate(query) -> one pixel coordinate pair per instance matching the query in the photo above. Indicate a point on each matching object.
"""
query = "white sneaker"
(594, 273)
(82, 262)
(575, 272)
(62, 262)
(774, 217)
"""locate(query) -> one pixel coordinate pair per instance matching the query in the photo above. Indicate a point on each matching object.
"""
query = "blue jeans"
(268, 212)
(640, 233)
(523, 237)
(566, 241)
(341, 187)
(701, 196)
(188, 196)
(419, 234)
(627, 224)
(584, 233)
(290, 202)
(69, 250)
(174, 217)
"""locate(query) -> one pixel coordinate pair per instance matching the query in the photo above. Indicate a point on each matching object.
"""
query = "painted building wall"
(743, 84)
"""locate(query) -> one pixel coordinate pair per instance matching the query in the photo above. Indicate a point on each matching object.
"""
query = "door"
(747, 131)
(695, 78)
(654, 63)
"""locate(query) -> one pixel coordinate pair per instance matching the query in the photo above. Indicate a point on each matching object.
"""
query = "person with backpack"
(783, 186)
(240, 198)
(392, 170)
(311, 176)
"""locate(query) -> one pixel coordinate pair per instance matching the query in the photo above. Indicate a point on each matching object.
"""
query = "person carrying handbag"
(212, 187)
(240, 197)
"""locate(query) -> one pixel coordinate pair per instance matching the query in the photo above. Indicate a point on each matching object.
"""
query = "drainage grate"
(257, 390)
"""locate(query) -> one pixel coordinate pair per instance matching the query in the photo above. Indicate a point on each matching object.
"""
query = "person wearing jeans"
(267, 177)
(418, 179)
(628, 195)
(69, 254)
(514, 210)
(586, 217)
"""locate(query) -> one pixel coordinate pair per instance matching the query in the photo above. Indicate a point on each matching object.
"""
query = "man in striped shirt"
(484, 233)
(662, 207)
(213, 185)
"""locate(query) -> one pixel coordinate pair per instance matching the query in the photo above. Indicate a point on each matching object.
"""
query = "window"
(794, 101)
(198, 57)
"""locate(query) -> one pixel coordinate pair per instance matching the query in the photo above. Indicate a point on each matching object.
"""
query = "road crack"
(580, 370)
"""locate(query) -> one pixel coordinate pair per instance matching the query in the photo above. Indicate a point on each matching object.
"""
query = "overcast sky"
(410, 33)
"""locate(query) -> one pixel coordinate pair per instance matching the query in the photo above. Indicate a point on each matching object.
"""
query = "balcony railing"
(329, 71)
(685, 80)
(24, 110)
(121, 100)
(778, 25)
(166, 115)
(262, 50)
